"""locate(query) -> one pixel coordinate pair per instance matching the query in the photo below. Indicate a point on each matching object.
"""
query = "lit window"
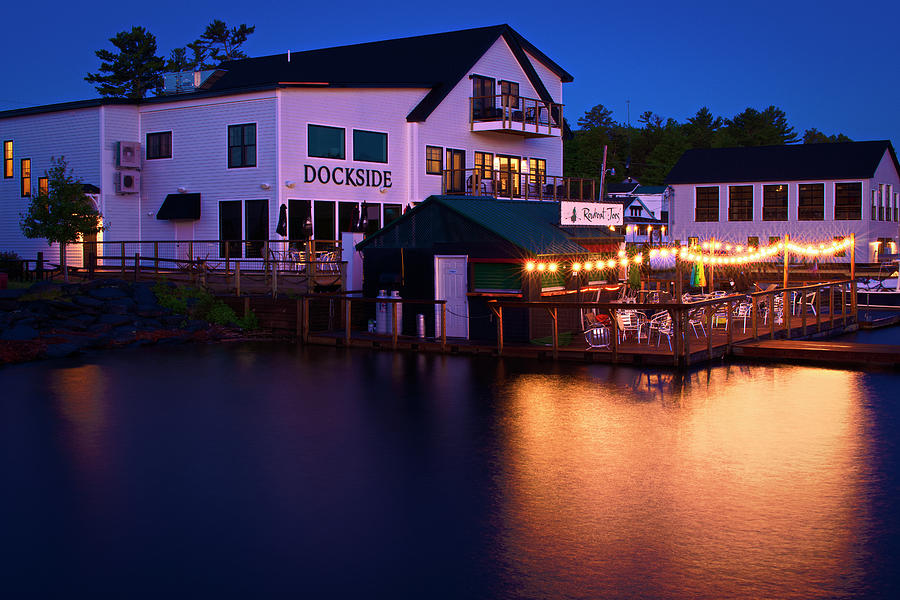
(707, 206)
(847, 201)
(811, 202)
(25, 167)
(43, 186)
(775, 203)
(509, 93)
(484, 164)
(740, 203)
(7, 159)
(434, 160)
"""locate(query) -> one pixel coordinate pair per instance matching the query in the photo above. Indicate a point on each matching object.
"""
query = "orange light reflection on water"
(737, 479)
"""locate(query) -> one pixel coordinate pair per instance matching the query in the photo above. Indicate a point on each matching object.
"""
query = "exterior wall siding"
(73, 134)
(199, 161)
(865, 230)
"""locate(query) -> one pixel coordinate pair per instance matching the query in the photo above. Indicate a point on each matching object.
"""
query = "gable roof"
(438, 61)
(530, 226)
(846, 160)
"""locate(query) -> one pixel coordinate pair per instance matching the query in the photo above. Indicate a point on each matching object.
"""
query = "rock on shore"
(50, 320)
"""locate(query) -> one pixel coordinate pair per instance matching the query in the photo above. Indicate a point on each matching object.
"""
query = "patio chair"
(631, 321)
(661, 323)
(743, 311)
(596, 329)
(695, 320)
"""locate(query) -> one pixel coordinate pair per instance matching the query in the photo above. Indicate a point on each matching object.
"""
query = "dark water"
(269, 471)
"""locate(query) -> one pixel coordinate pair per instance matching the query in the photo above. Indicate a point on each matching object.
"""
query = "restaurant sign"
(590, 213)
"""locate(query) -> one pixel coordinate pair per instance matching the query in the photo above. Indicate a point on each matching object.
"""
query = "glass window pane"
(369, 146)
(230, 227)
(325, 142)
(256, 226)
(323, 221)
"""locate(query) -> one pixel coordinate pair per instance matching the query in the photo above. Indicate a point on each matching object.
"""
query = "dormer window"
(509, 92)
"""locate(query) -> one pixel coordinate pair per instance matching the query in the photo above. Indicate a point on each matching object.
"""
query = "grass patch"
(200, 304)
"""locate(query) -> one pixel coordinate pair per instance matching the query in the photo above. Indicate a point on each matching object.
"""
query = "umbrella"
(701, 276)
(281, 228)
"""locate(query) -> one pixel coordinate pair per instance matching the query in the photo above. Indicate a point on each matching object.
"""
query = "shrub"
(12, 265)
(200, 304)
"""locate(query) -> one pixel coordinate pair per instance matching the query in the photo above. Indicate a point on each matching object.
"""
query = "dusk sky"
(828, 65)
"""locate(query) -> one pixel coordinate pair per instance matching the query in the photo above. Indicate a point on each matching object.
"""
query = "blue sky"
(829, 65)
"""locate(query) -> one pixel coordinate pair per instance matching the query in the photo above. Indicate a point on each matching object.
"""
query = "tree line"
(134, 69)
(648, 151)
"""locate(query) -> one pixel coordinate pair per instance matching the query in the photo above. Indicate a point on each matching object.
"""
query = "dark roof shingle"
(846, 160)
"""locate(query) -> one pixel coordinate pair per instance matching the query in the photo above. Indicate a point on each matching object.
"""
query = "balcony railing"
(527, 186)
(514, 114)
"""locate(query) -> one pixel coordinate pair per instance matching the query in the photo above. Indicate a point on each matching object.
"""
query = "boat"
(879, 292)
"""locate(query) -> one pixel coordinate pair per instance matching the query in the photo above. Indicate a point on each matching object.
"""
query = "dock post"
(347, 320)
(729, 336)
(843, 305)
(615, 335)
(137, 266)
(676, 332)
(237, 279)
(305, 336)
(553, 316)
(803, 312)
(787, 309)
(499, 331)
(443, 327)
(156, 257)
(394, 325)
(122, 256)
(754, 308)
(819, 310)
(709, 331)
(831, 306)
(772, 316)
(298, 332)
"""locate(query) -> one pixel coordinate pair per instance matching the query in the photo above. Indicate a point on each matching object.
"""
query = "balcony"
(524, 186)
(504, 113)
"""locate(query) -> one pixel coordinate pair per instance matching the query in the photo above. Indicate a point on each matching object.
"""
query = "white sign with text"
(590, 213)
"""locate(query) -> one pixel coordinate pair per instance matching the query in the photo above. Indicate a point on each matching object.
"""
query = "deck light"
(638, 259)
(588, 266)
(552, 267)
(654, 253)
(541, 267)
(611, 264)
(705, 245)
(623, 262)
(529, 266)
(664, 253)
(576, 266)
(621, 253)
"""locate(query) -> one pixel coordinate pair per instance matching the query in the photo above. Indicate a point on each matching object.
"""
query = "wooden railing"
(841, 313)
(517, 114)
(527, 186)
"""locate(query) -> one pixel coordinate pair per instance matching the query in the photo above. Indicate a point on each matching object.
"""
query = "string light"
(738, 255)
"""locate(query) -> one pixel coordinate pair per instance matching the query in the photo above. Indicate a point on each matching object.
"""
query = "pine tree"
(219, 44)
(63, 214)
(132, 71)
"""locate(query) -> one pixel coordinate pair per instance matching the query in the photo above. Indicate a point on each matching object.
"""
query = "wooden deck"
(831, 352)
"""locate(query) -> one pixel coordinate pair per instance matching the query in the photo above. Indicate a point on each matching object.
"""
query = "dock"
(817, 351)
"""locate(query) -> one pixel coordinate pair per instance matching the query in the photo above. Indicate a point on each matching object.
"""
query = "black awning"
(180, 206)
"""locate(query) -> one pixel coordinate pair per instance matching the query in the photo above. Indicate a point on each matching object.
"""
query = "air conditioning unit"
(128, 182)
(128, 155)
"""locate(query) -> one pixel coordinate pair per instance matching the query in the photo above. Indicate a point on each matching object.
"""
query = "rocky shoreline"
(52, 320)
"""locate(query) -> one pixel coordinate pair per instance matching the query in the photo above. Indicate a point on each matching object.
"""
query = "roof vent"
(185, 82)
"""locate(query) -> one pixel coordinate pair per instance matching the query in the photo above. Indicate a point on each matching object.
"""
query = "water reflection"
(752, 483)
(250, 470)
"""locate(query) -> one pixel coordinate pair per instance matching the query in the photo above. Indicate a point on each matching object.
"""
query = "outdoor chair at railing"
(326, 263)
(720, 317)
(775, 305)
(632, 321)
(696, 318)
(803, 301)
(596, 329)
(742, 312)
(661, 323)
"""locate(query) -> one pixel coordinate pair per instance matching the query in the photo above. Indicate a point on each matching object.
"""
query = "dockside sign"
(590, 213)
(347, 176)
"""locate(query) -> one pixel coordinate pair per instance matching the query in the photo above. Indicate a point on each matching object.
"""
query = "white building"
(812, 192)
(645, 211)
(324, 133)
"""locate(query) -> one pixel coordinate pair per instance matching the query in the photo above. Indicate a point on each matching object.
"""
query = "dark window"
(775, 203)
(774, 239)
(43, 186)
(323, 222)
(509, 93)
(635, 211)
(230, 228)
(483, 98)
(372, 218)
(707, 207)
(740, 203)
(693, 242)
(348, 212)
(25, 172)
(325, 142)
(159, 145)
(753, 241)
(299, 221)
(241, 146)
(496, 277)
(256, 226)
(392, 212)
(370, 146)
(884, 245)
(434, 160)
(848, 201)
(484, 164)
(7, 159)
(881, 202)
(811, 202)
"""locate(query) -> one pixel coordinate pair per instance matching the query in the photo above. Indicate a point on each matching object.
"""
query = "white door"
(184, 233)
(451, 284)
